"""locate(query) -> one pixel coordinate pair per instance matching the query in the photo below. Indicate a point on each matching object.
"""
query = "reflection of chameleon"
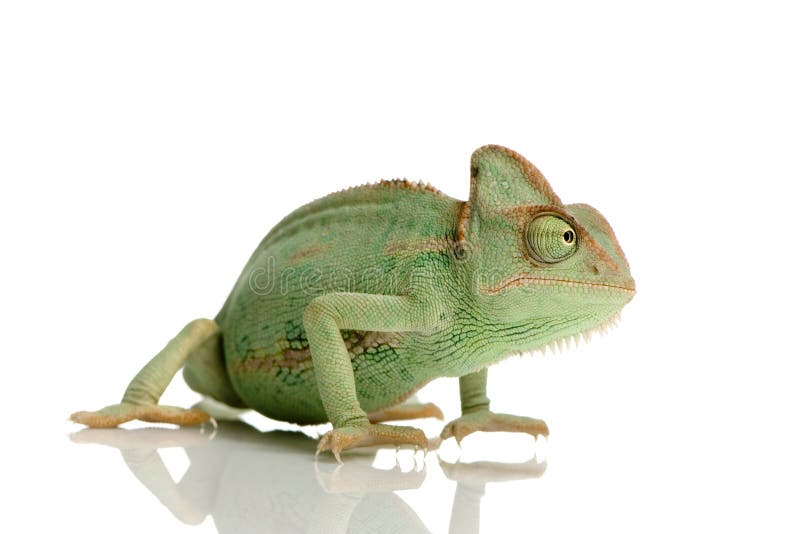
(249, 481)
(353, 302)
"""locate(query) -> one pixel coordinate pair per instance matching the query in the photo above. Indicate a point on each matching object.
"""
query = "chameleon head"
(545, 270)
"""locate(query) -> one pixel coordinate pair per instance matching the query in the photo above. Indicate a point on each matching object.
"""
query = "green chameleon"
(355, 301)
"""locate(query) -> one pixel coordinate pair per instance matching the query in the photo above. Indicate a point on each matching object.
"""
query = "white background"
(146, 147)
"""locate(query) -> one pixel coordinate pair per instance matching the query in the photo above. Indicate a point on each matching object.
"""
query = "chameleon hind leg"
(140, 400)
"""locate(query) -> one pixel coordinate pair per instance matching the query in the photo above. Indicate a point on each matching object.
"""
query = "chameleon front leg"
(476, 416)
(323, 319)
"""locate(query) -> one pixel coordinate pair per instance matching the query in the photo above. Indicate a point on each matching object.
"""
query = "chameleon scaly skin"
(355, 301)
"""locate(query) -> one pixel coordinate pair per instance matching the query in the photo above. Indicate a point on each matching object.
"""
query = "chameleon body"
(356, 300)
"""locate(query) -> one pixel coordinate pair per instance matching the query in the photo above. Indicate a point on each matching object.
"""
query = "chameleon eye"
(550, 238)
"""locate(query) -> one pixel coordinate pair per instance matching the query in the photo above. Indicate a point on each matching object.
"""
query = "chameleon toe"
(406, 411)
(99, 419)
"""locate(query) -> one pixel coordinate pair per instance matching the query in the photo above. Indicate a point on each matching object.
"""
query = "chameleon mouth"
(629, 288)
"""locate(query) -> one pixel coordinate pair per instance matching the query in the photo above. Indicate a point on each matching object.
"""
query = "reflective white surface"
(242, 480)
(610, 474)
(147, 147)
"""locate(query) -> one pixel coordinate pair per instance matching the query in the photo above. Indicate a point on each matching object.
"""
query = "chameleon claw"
(322, 445)
(214, 427)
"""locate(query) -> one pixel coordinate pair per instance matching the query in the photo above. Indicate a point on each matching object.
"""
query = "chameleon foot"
(116, 414)
(350, 437)
(486, 421)
(406, 411)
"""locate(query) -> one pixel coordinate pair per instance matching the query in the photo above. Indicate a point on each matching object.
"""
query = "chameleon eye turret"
(550, 238)
(418, 286)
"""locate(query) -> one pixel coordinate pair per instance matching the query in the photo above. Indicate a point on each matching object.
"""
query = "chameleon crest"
(535, 261)
(354, 301)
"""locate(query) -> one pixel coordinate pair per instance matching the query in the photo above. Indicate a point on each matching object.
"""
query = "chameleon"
(355, 301)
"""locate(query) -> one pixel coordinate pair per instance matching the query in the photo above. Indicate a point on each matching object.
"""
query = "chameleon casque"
(356, 300)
